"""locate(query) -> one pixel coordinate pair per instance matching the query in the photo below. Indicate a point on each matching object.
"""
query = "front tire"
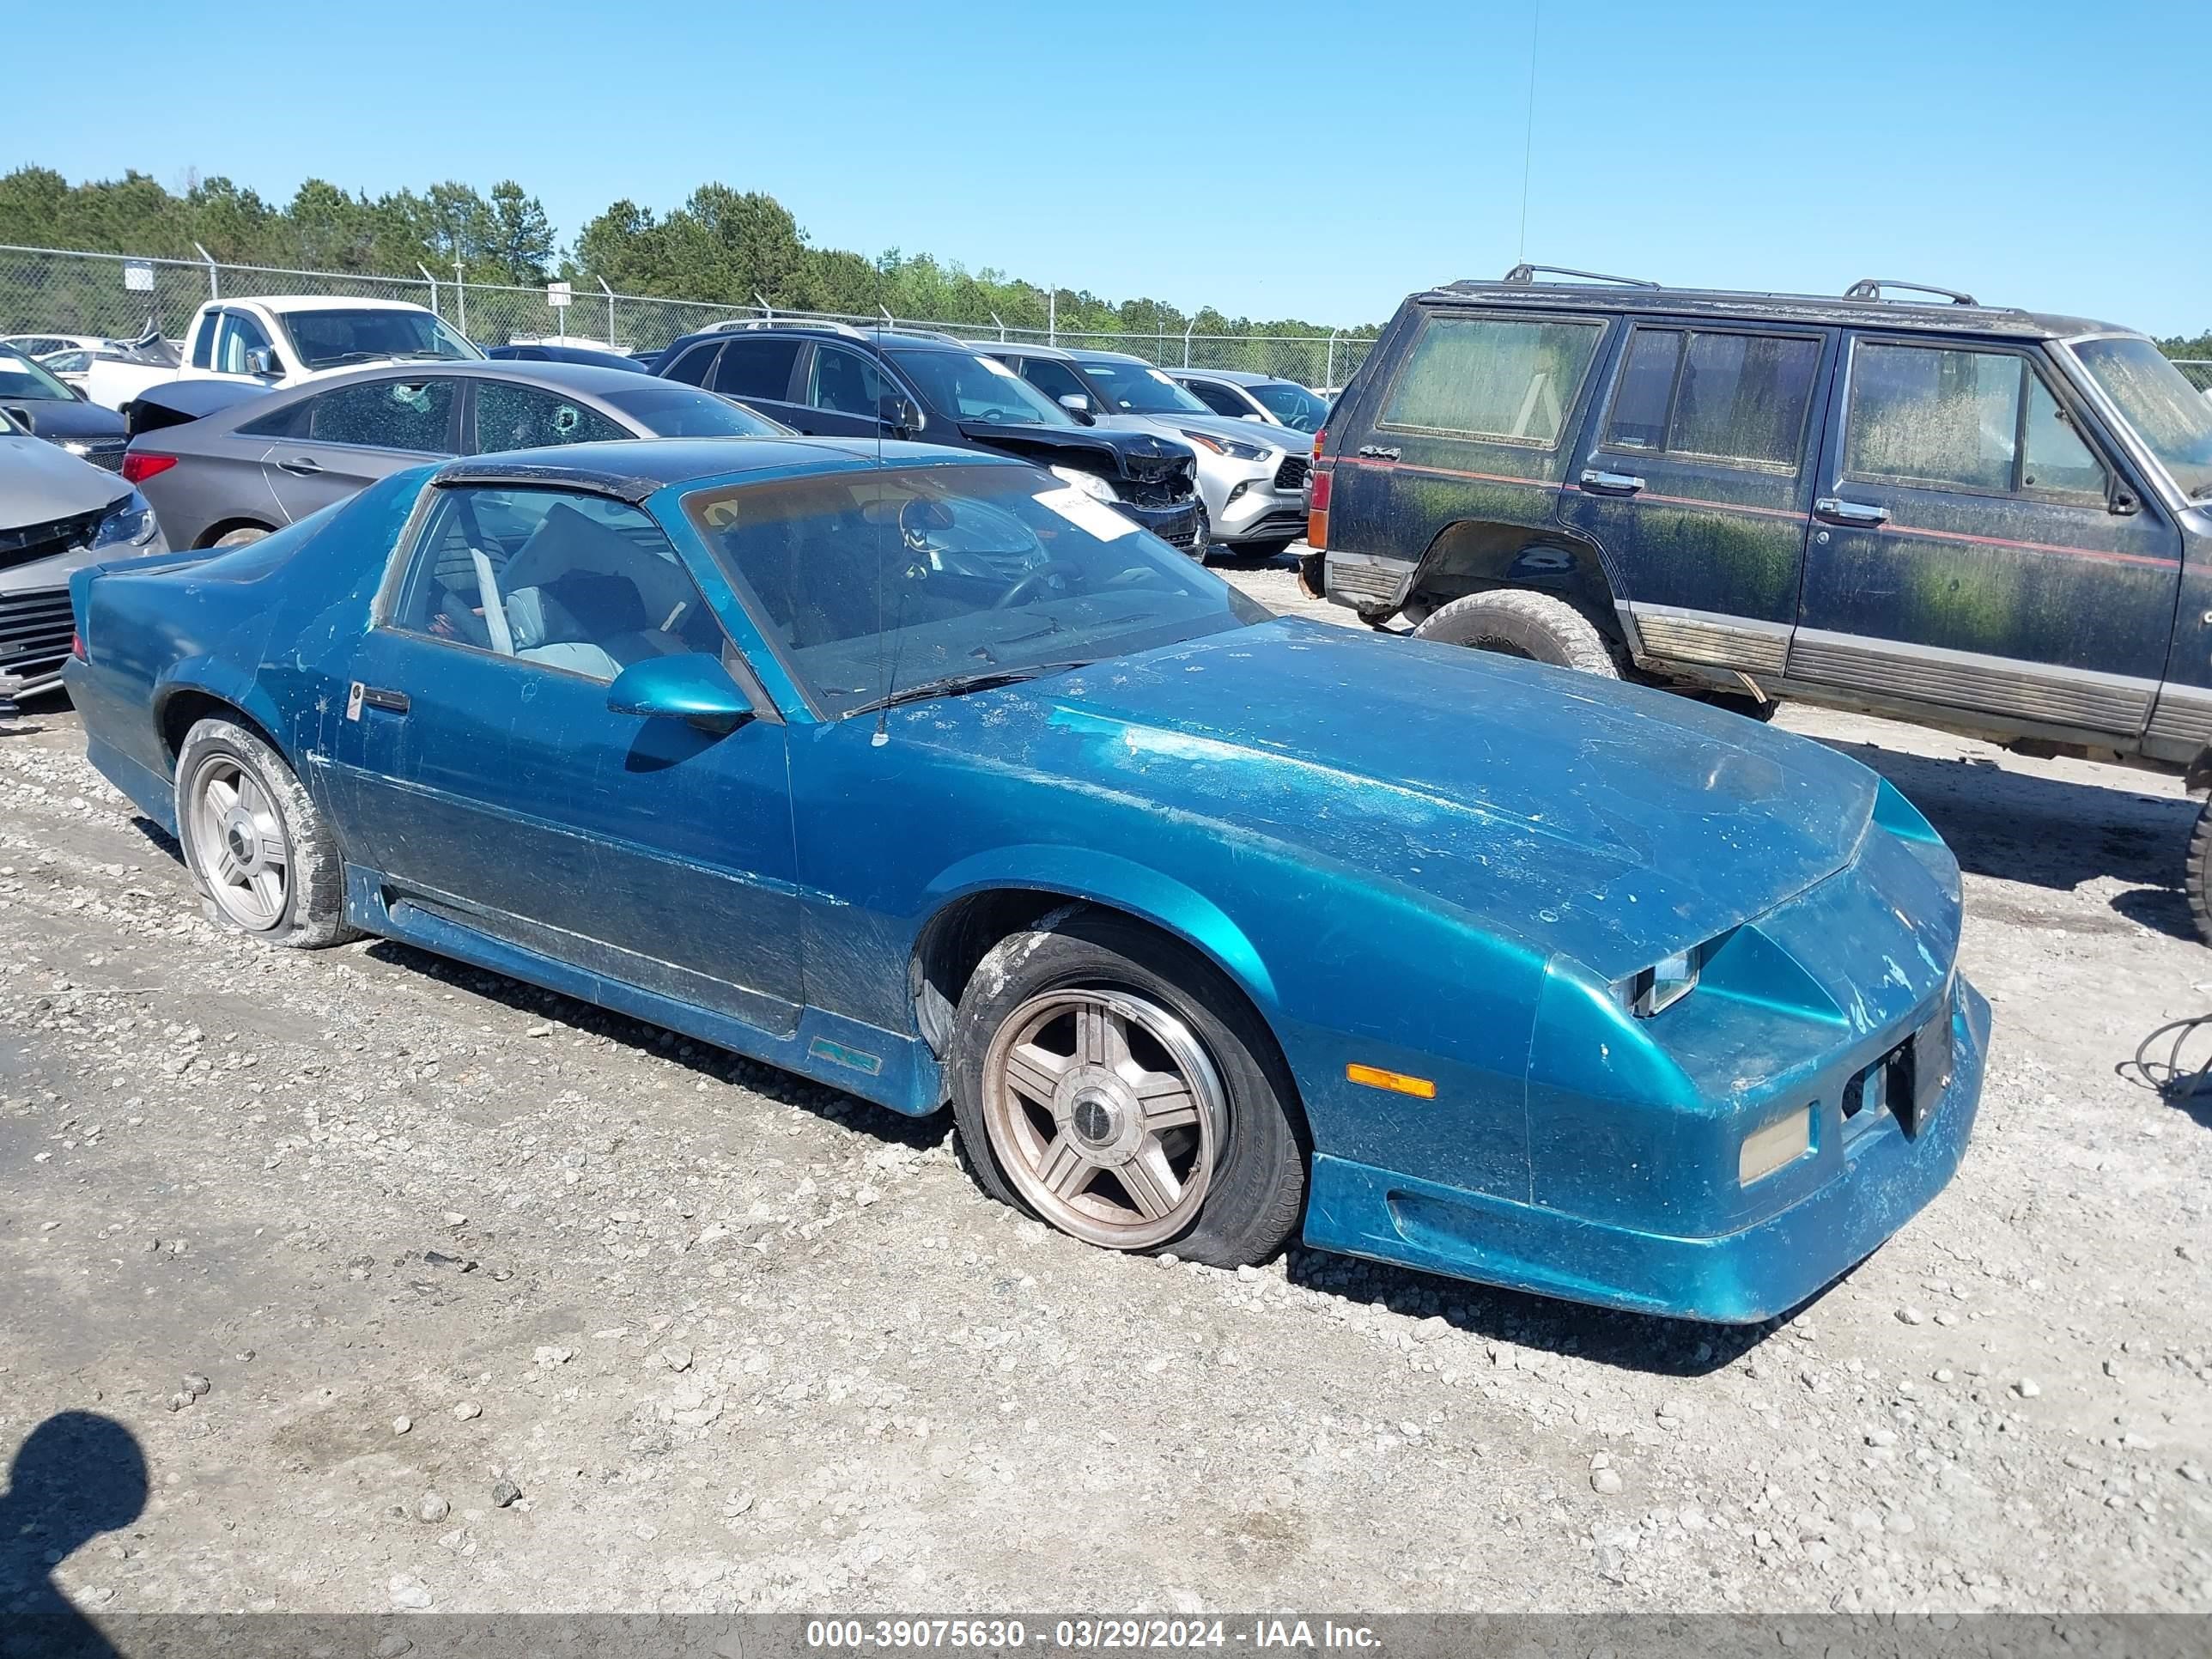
(1115, 1084)
(260, 853)
(1516, 623)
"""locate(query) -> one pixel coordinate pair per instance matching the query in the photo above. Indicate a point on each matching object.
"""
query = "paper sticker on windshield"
(1086, 513)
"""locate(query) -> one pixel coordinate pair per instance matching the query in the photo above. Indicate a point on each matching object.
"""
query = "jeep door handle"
(302, 466)
(1611, 484)
(1862, 515)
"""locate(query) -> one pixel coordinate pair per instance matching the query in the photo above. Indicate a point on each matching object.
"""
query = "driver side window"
(1217, 398)
(1055, 380)
(563, 580)
(241, 334)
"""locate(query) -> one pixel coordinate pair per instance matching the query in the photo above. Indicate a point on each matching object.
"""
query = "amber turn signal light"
(1374, 1077)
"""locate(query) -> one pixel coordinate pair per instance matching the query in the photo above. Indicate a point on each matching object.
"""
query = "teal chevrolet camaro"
(926, 773)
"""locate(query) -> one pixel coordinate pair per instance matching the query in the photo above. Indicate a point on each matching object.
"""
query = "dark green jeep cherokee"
(1985, 519)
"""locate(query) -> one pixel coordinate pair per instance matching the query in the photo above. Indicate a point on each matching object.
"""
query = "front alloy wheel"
(1105, 1114)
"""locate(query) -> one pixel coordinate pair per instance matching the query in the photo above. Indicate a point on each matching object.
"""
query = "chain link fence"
(2197, 371)
(58, 291)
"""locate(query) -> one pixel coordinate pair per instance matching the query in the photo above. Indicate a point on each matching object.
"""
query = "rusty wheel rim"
(1105, 1114)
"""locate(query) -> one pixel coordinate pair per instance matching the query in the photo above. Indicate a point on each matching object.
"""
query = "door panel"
(506, 797)
(1963, 550)
(480, 771)
(1693, 481)
(355, 434)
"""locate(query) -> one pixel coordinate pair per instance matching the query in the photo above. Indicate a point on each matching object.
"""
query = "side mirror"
(2124, 504)
(1079, 406)
(22, 416)
(903, 415)
(262, 359)
(693, 687)
(1248, 416)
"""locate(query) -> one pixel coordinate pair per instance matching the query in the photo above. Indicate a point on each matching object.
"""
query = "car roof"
(1909, 316)
(1108, 357)
(1234, 376)
(891, 338)
(285, 302)
(634, 469)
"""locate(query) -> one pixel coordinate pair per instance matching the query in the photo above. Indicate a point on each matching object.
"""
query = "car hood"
(1608, 823)
(1131, 453)
(1222, 426)
(41, 481)
(56, 421)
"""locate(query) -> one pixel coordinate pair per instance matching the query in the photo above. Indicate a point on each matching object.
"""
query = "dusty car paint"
(1415, 859)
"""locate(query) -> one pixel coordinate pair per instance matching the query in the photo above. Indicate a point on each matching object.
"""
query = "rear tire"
(2196, 876)
(262, 857)
(1516, 623)
(244, 536)
(1115, 1084)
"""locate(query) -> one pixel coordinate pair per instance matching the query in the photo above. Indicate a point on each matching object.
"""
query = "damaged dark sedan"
(926, 773)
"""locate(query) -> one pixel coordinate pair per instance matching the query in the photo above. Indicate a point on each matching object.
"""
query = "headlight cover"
(1663, 984)
(1228, 447)
(129, 523)
(1089, 483)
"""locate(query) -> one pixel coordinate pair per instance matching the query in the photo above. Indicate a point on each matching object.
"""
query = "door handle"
(1862, 515)
(1611, 484)
(302, 466)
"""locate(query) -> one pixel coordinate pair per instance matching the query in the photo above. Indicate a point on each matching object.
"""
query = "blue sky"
(1271, 160)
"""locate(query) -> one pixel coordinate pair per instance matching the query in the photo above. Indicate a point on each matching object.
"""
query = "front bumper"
(1756, 1274)
(1254, 500)
(1176, 526)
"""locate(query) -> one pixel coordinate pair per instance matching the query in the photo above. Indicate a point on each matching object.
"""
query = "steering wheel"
(1036, 578)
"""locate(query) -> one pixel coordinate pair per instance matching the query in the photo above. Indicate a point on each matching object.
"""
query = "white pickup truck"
(282, 340)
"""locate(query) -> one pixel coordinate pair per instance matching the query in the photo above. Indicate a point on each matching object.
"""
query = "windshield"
(21, 378)
(2169, 415)
(674, 410)
(1291, 404)
(877, 579)
(977, 388)
(329, 339)
(1140, 389)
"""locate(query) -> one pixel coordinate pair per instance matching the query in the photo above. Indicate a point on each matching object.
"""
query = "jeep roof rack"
(1526, 274)
(1870, 287)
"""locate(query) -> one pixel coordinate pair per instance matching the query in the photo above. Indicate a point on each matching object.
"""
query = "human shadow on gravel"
(2050, 832)
(704, 1059)
(1627, 1341)
(76, 1475)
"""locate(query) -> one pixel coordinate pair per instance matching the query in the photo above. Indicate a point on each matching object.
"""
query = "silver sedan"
(259, 465)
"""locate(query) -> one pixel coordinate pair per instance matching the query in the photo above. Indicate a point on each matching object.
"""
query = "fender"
(1106, 879)
(213, 678)
(1550, 558)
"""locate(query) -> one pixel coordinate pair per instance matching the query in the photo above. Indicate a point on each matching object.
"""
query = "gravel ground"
(420, 1288)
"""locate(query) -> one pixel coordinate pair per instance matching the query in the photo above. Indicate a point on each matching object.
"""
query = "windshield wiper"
(953, 686)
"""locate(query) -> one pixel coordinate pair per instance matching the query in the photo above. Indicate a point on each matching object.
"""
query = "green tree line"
(723, 245)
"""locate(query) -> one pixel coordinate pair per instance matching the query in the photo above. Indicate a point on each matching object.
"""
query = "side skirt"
(887, 1067)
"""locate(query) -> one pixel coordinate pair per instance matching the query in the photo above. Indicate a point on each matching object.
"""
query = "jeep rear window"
(1506, 379)
(1739, 399)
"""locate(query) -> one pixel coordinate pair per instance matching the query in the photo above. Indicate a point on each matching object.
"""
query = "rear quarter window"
(1503, 380)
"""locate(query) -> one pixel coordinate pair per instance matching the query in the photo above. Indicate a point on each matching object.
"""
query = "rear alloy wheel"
(264, 860)
(244, 536)
(1516, 623)
(1115, 1084)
